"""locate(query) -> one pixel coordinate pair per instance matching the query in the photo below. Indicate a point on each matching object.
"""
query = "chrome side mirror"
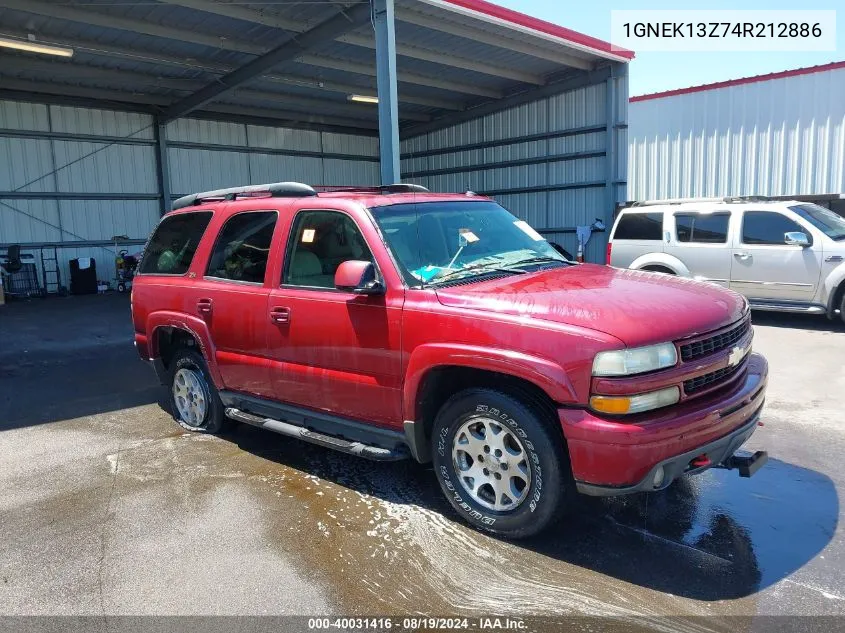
(796, 238)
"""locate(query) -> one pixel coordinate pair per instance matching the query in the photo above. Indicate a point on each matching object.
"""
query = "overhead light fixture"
(363, 98)
(33, 47)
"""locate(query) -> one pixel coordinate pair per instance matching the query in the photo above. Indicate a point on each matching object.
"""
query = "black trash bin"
(83, 279)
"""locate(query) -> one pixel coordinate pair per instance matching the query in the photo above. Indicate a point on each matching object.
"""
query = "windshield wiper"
(539, 260)
(478, 267)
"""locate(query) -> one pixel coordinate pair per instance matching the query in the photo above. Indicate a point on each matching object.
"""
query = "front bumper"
(718, 453)
(617, 456)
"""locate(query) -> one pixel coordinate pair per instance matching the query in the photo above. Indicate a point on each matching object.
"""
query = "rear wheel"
(500, 463)
(194, 402)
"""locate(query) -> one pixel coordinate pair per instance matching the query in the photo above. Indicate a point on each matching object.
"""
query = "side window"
(766, 227)
(243, 247)
(171, 249)
(640, 226)
(702, 228)
(319, 242)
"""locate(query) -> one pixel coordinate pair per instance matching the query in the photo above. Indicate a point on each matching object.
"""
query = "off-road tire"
(551, 491)
(214, 420)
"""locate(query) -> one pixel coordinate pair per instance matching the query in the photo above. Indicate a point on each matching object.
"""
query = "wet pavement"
(108, 507)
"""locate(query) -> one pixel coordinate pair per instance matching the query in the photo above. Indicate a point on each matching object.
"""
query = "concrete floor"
(107, 507)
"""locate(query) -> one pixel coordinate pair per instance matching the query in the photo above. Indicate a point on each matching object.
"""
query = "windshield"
(830, 223)
(436, 241)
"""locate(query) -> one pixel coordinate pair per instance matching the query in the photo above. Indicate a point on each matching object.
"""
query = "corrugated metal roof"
(452, 53)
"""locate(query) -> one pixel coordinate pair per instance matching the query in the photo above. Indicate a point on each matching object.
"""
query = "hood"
(639, 308)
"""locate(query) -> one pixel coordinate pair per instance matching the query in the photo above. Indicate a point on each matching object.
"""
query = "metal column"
(610, 147)
(162, 166)
(388, 111)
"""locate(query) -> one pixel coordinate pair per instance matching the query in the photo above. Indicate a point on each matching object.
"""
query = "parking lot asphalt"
(108, 507)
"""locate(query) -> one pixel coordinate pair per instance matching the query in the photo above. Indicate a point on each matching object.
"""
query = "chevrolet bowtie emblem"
(736, 355)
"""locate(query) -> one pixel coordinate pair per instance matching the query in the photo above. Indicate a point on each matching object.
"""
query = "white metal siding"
(778, 137)
(29, 221)
(207, 132)
(212, 155)
(193, 170)
(283, 138)
(103, 168)
(334, 143)
(101, 122)
(16, 115)
(103, 219)
(235, 153)
(25, 162)
(273, 168)
(561, 208)
(350, 172)
(122, 181)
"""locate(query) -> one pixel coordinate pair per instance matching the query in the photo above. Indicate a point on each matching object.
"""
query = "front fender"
(834, 279)
(661, 259)
(192, 325)
(542, 372)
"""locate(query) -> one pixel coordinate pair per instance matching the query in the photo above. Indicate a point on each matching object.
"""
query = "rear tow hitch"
(746, 464)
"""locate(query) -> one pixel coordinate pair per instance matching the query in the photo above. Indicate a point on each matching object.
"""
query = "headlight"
(618, 405)
(638, 360)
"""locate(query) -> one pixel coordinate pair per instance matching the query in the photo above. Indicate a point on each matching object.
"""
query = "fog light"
(659, 475)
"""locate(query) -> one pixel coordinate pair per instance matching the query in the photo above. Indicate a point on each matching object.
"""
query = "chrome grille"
(697, 349)
(701, 382)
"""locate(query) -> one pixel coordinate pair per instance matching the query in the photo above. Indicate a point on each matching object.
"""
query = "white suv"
(786, 256)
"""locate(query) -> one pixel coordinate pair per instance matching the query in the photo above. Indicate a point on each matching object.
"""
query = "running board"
(360, 449)
(788, 307)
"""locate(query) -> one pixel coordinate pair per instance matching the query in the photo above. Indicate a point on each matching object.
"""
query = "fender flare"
(661, 259)
(541, 372)
(831, 284)
(194, 326)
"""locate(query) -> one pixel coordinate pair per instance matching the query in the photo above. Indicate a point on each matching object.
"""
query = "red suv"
(392, 322)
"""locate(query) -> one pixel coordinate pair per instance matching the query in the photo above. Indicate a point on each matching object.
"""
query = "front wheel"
(842, 308)
(500, 463)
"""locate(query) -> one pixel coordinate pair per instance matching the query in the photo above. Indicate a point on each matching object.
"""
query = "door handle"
(280, 315)
(204, 306)
(833, 258)
(743, 256)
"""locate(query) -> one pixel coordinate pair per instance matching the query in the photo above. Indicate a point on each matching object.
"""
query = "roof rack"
(275, 190)
(399, 187)
(726, 199)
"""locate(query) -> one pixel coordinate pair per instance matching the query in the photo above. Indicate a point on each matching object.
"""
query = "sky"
(658, 71)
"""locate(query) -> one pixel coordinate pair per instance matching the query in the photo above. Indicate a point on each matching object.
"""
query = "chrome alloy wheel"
(191, 396)
(491, 464)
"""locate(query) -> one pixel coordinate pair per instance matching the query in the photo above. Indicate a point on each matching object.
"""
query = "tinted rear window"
(639, 226)
(242, 249)
(171, 249)
(703, 228)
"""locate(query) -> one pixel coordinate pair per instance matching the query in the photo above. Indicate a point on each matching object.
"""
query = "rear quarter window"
(639, 226)
(172, 246)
